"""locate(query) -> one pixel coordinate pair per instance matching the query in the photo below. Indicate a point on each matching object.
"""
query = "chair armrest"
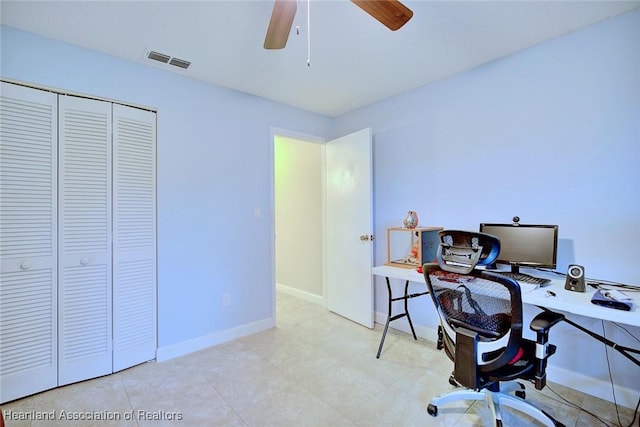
(544, 321)
(541, 325)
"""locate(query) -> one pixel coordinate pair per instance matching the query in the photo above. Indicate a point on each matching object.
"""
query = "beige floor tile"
(19, 409)
(344, 386)
(100, 401)
(607, 413)
(314, 369)
(293, 406)
(242, 387)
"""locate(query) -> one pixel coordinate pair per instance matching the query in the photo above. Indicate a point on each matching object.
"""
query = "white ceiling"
(354, 60)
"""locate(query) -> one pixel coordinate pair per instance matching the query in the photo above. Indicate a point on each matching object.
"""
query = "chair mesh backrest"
(486, 304)
(475, 302)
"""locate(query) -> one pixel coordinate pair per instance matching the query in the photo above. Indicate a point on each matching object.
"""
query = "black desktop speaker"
(575, 279)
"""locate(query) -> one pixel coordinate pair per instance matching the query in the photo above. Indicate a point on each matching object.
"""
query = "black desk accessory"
(612, 298)
(575, 279)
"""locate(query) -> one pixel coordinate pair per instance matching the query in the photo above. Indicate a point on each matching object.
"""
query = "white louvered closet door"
(84, 239)
(28, 293)
(134, 240)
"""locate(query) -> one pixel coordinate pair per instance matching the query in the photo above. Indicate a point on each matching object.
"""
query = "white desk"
(569, 303)
(580, 303)
(564, 301)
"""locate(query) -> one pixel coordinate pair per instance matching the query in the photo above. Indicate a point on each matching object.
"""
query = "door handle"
(366, 237)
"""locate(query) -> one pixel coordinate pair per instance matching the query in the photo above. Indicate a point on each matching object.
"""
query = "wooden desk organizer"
(411, 247)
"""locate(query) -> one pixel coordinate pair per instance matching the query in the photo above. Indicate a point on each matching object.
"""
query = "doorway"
(298, 213)
(332, 234)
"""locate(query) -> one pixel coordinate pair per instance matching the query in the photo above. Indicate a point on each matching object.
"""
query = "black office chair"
(481, 328)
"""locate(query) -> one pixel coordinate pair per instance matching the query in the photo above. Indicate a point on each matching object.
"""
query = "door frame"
(287, 133)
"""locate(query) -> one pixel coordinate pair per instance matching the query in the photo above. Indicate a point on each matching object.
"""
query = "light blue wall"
(551, 134)
(214, 168)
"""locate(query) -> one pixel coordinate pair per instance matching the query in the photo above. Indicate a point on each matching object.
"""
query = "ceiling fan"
(390, 13)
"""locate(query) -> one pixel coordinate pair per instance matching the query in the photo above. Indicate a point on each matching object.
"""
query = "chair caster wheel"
(521, 394)
(452, 381)
(498, 423)
(432, 410)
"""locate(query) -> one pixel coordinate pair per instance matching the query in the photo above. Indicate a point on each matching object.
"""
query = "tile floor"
(314, 369)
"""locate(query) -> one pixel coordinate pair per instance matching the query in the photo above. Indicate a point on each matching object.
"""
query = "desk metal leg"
(406, 308)
(391, 318)
(625, 351)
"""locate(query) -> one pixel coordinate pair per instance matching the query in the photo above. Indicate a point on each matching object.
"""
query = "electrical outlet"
(226, 299)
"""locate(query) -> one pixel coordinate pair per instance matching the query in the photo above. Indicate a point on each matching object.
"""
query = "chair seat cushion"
(521, 366)
(517, 357)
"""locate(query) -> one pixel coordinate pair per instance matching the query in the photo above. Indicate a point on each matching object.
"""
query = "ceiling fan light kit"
(391, 13)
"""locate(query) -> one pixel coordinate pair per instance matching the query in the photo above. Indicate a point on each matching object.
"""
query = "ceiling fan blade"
(280, 25)
(391, 13)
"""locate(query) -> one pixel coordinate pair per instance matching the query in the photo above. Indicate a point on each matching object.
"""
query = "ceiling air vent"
(156, 56)
(166, 59)
(180, 63)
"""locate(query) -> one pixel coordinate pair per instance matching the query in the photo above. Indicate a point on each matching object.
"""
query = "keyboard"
(520, 277)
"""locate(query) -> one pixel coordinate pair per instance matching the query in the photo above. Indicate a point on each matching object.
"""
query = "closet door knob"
(84, 260)
(25, 265)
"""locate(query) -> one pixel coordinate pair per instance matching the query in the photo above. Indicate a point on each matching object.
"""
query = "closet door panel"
(84, 238)
(28, 248)
(134, 264)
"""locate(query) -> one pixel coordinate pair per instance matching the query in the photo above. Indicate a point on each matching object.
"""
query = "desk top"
(566, 301)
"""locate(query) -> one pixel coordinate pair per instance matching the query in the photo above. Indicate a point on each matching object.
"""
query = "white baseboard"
(200, 343)
(593, 386)
(307, 296)
(586, 384)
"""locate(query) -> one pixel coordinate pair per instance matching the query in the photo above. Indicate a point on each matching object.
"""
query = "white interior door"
(28, 247)
(134, 236)
(349, 257)
(84, 238)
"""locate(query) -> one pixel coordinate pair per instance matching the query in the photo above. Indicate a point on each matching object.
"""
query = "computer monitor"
(525, 245)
